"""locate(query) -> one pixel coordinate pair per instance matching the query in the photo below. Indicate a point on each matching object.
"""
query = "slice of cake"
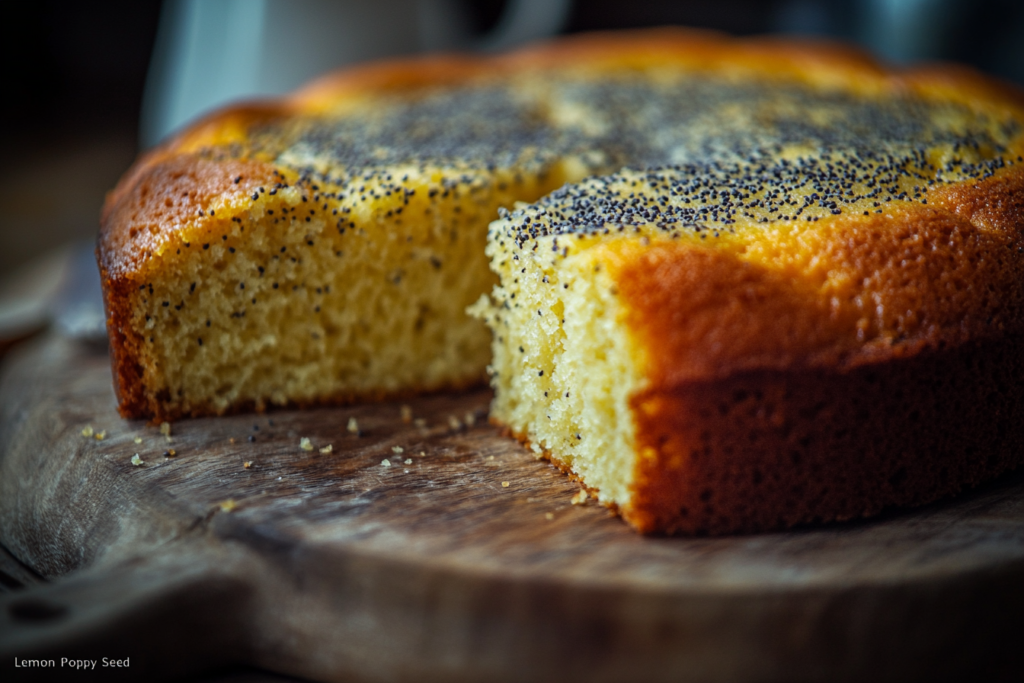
(805, 302)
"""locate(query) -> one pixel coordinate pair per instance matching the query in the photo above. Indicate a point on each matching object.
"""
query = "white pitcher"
(211, 52)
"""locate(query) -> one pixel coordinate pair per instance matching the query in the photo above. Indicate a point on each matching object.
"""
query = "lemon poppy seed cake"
(733, 285)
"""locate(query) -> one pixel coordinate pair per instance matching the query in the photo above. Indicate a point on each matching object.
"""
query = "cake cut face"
(732, 286)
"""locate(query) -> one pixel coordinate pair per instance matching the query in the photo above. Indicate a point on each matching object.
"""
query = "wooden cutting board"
(337, 567)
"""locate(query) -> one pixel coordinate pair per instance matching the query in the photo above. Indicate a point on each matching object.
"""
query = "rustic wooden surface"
(335, 567)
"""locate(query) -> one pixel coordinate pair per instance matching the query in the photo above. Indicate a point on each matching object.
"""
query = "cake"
(737, 285)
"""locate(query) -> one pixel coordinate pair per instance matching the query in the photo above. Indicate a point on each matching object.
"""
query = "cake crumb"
(397, 449)
(385, 463)
(549, 515)
(136, 460)
(228, 505)
(101, 435)
(504, 484)
(165, 428)
(406, 414)
(305, 444)
(580, 498)
(247, 464)
(327, 449)
(353, 426)
(87, 431)
(408, 461)
(137, 439)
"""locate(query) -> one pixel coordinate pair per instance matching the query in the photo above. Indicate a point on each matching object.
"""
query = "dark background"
(75, 74)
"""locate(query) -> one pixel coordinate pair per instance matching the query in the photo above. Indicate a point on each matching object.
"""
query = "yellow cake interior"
(278, 304)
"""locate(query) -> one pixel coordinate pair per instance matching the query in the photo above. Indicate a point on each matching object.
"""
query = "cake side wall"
(770, 449)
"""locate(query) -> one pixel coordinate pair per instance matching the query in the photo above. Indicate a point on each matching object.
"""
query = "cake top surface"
(712, 157)
(690, 124)
(482, 127)
(669, 131)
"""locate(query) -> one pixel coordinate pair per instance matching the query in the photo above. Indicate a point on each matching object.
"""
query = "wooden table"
(340, 567)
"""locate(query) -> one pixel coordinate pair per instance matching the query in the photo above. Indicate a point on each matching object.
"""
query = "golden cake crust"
(729, 314)
(766, 408)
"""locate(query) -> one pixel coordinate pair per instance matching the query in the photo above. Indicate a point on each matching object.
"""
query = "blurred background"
(91, 84)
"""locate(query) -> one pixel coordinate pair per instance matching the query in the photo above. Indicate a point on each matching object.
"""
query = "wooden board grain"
(334, 566)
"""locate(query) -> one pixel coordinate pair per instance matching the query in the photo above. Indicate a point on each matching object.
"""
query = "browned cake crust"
(783, 418)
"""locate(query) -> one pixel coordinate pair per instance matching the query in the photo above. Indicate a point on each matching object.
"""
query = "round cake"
(734, 285)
